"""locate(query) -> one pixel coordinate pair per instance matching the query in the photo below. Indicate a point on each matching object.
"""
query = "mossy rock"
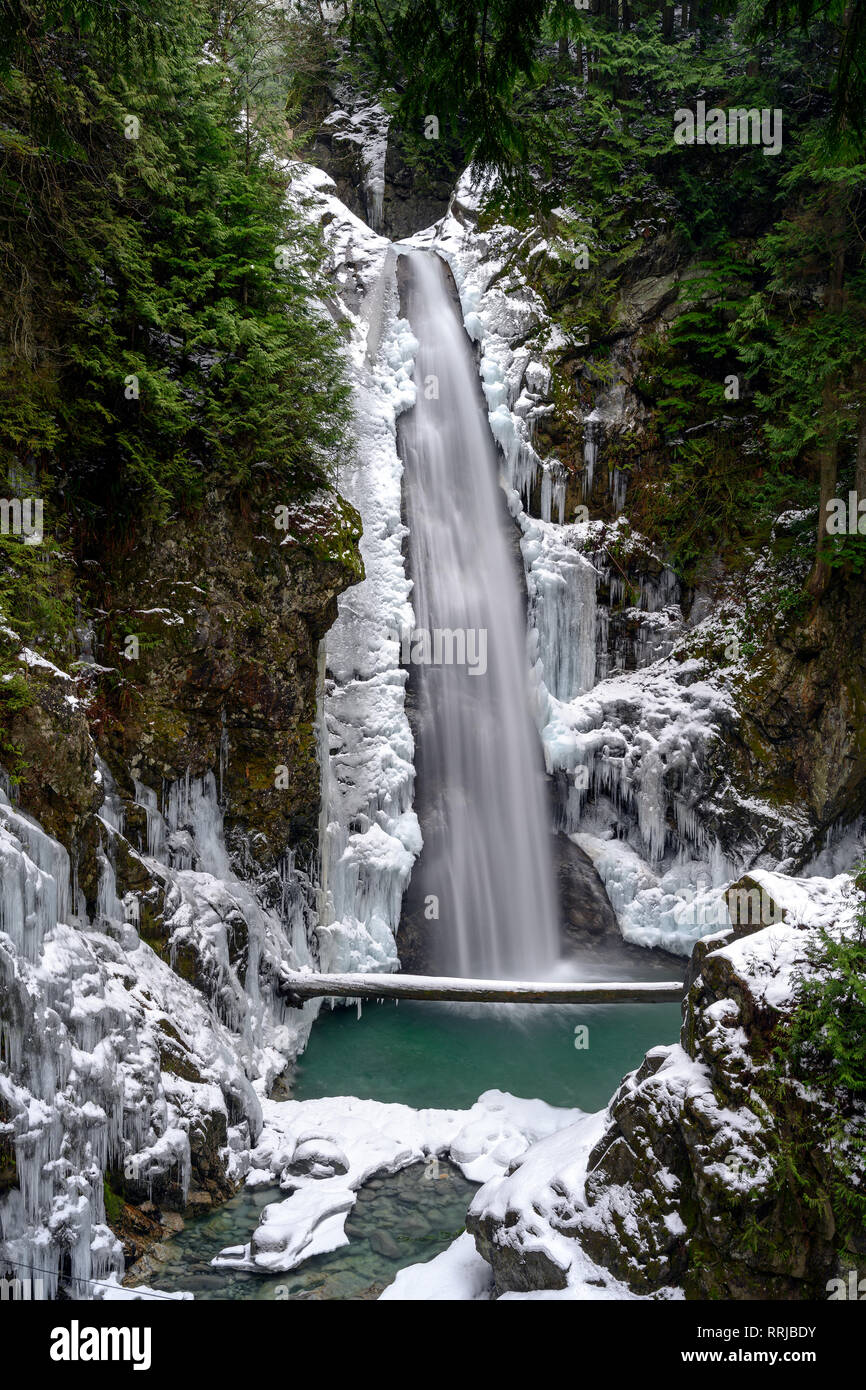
(8, 1159)
(174, 1055)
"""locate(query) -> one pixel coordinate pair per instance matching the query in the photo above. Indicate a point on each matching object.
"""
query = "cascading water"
(486, 859)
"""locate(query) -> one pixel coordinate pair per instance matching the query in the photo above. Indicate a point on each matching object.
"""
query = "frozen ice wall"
(62, 1092)
(89, 1009)
(370, 835)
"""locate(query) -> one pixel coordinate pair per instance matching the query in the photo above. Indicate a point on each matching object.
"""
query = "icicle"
(590, 452)
(147, 798)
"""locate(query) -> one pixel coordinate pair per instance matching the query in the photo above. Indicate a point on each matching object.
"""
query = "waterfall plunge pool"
(445, 1055)
(423, 1055)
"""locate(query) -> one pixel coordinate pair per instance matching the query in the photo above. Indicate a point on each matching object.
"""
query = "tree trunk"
(667, 21)
(295, 988)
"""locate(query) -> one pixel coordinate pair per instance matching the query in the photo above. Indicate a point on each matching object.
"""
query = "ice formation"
(371, 836)
(92, 1019)
(628, 721)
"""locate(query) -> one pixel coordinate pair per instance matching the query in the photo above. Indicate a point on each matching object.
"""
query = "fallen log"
(296, 987)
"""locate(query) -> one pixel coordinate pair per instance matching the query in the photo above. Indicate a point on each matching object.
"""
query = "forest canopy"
(160, 328)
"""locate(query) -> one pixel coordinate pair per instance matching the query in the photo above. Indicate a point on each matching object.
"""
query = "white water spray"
(486, 859)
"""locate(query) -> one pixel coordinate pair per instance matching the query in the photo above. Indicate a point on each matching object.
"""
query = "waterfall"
(486, 866)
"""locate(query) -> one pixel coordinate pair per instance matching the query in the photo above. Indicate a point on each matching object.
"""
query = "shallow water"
(408, 1214)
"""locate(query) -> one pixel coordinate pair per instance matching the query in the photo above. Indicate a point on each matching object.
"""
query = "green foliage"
(458, 60)
(843, 25)
(823, 1047)
(846, 553)
(35, 598)
(786, 332)
(36, 610)
(113, 1205)
(704, 498)
(165, 265)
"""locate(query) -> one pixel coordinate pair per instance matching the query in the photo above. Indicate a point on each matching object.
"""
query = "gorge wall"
(685, 1182)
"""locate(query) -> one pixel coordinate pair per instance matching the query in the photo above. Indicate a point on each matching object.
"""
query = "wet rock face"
(57, 785)
(8, 1163)
(229, 612)
(205, 660)
(378, 177)
(515, 1270)
(585, 908)
(803, 727)
(416, 196)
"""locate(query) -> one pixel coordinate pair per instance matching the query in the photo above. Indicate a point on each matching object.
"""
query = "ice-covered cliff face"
(116, 1067)
(637, 706)
(370, 834)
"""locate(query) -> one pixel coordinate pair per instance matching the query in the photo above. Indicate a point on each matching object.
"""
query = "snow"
(458, 1273)
(311, 1223)
(371, 835)
(772, 958)
(374, 1137)
(540, 1206)
(528, 1203)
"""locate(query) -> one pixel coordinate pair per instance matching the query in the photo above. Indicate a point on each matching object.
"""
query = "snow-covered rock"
(679, 1186)
(371, 1137)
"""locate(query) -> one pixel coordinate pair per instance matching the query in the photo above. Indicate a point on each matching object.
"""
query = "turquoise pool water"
(445, 1055)
(399, 1220)
(437, 1055)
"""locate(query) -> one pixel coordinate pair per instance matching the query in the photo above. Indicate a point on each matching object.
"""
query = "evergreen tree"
(156, 291)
